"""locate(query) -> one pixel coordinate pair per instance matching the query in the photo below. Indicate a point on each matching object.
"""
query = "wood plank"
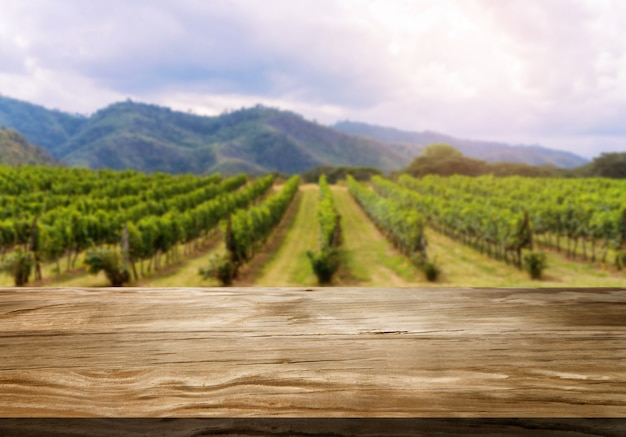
(312, 352)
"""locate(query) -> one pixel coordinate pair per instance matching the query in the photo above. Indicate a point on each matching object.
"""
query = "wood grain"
(332, 352)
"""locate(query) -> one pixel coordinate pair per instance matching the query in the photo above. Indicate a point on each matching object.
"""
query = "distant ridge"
(254, 140)
(15, 150)
(413, 142)
(47, 128)
(154, 138)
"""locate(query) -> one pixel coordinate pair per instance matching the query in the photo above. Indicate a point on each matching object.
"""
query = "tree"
(609, 165)
(441, 151)
(445, 160)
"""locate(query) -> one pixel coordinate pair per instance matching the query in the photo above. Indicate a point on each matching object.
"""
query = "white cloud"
(551, 71)
(57, 89)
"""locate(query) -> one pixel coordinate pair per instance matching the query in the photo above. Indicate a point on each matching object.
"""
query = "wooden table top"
(331, 352)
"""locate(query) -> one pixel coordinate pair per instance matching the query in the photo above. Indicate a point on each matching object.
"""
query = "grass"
(75, 277)
(580, 255)
(284, 261)
(369, 259)
(463, 266)
(185, 272)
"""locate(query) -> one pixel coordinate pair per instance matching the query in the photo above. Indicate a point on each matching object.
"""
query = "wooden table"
(331, 352)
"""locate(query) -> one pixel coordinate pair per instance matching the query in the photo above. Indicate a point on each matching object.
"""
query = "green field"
(370, 261)
(367, 259)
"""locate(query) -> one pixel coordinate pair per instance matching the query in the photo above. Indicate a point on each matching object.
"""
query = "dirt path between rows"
(288, 264)
(367, 250)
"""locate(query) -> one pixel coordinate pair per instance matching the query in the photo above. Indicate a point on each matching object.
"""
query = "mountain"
(254, 140)
(43, 127)
(412, 143)
(15, 150)
(153, 138)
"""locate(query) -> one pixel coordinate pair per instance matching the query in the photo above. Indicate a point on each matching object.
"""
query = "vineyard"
(501, 217)
(126, 227)
(118, 220)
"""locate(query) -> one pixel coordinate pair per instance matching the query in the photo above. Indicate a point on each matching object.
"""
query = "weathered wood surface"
(320, 352)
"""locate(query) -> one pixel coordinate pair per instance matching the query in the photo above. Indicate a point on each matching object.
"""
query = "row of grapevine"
(33, 189)
(246, 230)
(77, 181)
(41, 202)
(153, 237)
(24, 180)
(404, 227)
(153, 225)
(584, 217)
(328, 217)
(498, 232)
(69, 231)
(325, 262)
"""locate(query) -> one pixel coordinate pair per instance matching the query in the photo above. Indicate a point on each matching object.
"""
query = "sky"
(549, 72)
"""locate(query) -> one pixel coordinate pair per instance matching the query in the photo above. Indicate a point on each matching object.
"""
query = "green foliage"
(75, 209)
(15, 150)
(403, 226)
(335, 174)
(445, 160)
(46, 128)
(429, 267)
(477, 220)
(607, 165)
(328, 217)
(535, 263)
(111, 262)
(255, 140)
(54, 243)
(246, 230)
(221, 268)
(504, 169)
(78, 209)
(441, 152)
(19, 264)
(150, 138)
(325, 264)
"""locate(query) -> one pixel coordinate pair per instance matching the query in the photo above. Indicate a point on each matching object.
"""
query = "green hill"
(253, 140)
(412, 143)
(153, 138)
(44, 127)
(15, 150)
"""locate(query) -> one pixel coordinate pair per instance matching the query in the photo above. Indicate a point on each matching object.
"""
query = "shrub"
(20, 265)
(431, 270)
(109, 261)
(220, 268)
(429, 267)
(535, 263)
(325, 264)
